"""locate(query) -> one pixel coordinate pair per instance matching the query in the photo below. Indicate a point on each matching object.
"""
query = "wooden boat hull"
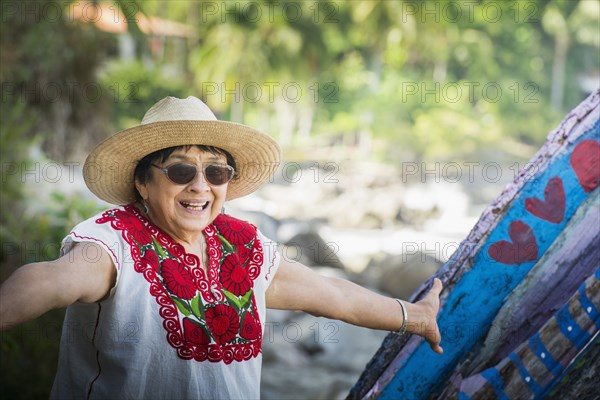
(522, 292)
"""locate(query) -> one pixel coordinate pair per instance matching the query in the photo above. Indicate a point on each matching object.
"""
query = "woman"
(166, 294)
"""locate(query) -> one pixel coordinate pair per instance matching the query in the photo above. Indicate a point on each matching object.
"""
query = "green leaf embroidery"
(159, 249)
(242, 321)
(226, 245)
(182, 306)
(246, 299)
(232, 299)
(198, 307)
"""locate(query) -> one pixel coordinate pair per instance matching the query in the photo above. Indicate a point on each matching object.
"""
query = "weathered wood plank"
(573, 256)
(581, 380)
(537, 364)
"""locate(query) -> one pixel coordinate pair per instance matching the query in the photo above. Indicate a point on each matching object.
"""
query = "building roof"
(108, 18)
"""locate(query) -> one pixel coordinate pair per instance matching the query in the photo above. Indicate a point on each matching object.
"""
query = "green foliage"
(49, 65)
(446, 88)
(29, 355)
(29, 352)
(135, 88)
(14, 151)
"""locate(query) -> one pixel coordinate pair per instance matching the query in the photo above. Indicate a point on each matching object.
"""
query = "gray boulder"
(310, 249)
(400, 275)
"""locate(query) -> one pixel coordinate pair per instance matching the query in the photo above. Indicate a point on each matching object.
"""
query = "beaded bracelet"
(402, 329)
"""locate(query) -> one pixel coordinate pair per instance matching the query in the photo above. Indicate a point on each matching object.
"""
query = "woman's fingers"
(434, 341)
(433, 336)
(437, 286)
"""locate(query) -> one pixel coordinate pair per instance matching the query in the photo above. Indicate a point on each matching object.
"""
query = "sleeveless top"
(168, 329)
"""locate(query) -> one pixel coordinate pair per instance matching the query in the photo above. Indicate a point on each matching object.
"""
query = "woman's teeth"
(194, 206)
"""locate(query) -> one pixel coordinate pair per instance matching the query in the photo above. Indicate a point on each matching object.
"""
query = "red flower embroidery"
(236, 231)
(233, 276)
(194, 333)
(224, 322)
(250, 328)
(151, 259)
(134, 227)
(243, 253)
(178, 280)
(222, 337)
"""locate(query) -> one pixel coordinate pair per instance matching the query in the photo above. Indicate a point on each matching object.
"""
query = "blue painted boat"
(520, 309)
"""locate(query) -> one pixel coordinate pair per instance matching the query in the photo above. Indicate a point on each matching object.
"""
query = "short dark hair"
(142, 169)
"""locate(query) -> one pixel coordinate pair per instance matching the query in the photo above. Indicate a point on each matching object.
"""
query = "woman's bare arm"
(36, 288)
(297, 287)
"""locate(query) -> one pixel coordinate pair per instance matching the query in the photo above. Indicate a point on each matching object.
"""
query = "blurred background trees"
(390, 81)
(389, 68)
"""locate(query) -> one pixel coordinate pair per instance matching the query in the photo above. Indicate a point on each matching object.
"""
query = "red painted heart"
(523, 247)
(552, 208)
(585, 161)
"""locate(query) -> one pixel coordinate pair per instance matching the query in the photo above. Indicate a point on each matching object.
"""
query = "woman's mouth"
(194, 206)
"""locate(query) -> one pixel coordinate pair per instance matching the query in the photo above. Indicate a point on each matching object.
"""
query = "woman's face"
(183, 211)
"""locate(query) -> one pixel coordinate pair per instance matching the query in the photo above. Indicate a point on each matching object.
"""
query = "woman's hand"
(422, 317)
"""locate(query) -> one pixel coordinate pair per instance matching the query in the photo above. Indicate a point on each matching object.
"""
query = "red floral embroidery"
(250, 328)
(224, 322)
(135, 227)
(222, 339)
(151, 259)
(193, 333)
(178, 280)
(236, 231)
(234, 276)
(243, 253)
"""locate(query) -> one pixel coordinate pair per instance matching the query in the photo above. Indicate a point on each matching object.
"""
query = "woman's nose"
(199, 182)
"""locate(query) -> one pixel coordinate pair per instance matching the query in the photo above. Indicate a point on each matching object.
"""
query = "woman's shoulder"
(119, 213)
(106, 220)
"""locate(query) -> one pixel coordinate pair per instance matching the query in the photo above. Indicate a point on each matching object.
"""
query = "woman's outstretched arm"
(297, 287)
(36, 288)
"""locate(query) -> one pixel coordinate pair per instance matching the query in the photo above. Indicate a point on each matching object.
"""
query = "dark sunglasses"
(183, 173)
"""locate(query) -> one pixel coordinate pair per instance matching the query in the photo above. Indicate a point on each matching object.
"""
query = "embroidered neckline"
(207, 280)
(217, 308)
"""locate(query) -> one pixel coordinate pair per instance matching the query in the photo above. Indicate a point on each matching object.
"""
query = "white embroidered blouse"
(168, 329)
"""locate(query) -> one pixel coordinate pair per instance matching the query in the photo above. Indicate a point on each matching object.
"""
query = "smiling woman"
(190, 282)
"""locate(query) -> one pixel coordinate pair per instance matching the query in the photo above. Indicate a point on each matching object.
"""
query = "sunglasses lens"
(218, 174)
(181, 173)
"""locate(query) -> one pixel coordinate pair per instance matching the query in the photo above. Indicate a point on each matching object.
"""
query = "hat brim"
(108, 170)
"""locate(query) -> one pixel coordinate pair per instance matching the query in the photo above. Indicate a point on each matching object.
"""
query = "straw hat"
(108, 170)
